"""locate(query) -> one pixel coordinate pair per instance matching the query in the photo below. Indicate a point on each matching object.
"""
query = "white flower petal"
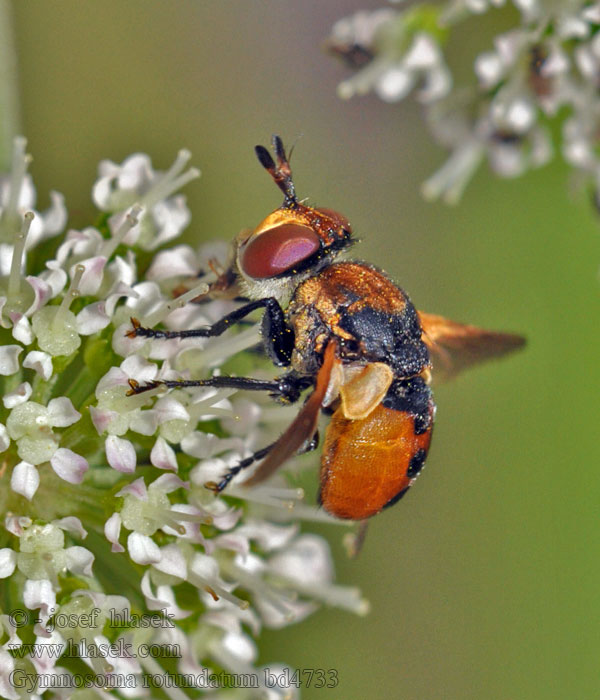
(267, 535)
(79, 244)
(7, 666)
(20, 395)
(8, 562)
(586, 61)
(61, 412)
(556, 64)
(4, 438)
(163, 599)
(124, 270)
(92, 318)
(168, 408)
(6, 252)
(169, 482)
(275, 618)
(102, 418)
(214, 250)
(69, 465)
(199, 444)
(72, 525)
(42, 292)
(163, 456)
(9, 359)
(112, 530)
(136, 488)
(17, 524)
(79, 560)
(572, 28)
(144, 422)
(251, 563)
(138, 368)
(236, 543)
(423, 53)
(114, 377)
(123, 345)
(25, 480)
(22, 331)
(170, 217)
(132, 177)
(55, 277)
(41, 362)
(591, 13)
(394, 84)
(149, 298)
(142, 549)
(47, 651)
(118, 292)
(186, 528)
(179, 261)
(520, 115)
(240, 646)
(208, 470)
(204, 566)
(247, 414)
(55, 217)
(306, 560)
(509, 45)
(489, 68)
(172, 562)
(437, 85)
(39, 594)
(120, 454)
(227, 518)
(93, 275)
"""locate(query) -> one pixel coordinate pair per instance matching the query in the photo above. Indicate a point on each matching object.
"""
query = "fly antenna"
(280, 172)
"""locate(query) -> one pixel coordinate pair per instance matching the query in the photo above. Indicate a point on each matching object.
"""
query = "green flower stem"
(8, 384)
(82, 437)
(41, 389)
(116, 573)
(54, 495)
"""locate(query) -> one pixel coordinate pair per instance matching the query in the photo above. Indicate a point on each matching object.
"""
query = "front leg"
(278, 337)
(271, 305)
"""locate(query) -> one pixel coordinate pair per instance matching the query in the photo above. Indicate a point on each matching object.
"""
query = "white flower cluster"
(547, 68)
(88, 462)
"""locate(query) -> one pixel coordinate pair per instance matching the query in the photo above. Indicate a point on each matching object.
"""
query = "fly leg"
(279, 337)
(218, 486)
(286, 388)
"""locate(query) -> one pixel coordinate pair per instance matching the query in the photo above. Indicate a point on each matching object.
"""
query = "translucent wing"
(302, 428)
(455, 346)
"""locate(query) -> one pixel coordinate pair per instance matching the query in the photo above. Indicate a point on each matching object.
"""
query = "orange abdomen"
(369, 463)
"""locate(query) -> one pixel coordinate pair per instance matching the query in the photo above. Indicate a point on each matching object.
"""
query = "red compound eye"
(278, 250)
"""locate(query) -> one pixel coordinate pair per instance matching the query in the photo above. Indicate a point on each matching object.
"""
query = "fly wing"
(302, 428)
(455, 346)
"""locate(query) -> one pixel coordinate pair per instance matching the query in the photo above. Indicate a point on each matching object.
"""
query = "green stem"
(10, 118)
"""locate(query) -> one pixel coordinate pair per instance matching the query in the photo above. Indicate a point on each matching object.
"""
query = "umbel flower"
(119, 571)
(544, 71)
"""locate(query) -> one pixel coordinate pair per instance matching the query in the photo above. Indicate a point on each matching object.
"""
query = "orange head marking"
(295, 236)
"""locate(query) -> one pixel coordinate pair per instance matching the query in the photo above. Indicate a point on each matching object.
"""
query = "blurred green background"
(484, 582)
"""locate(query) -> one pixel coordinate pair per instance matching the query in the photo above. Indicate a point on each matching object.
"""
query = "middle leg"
(288, 387)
